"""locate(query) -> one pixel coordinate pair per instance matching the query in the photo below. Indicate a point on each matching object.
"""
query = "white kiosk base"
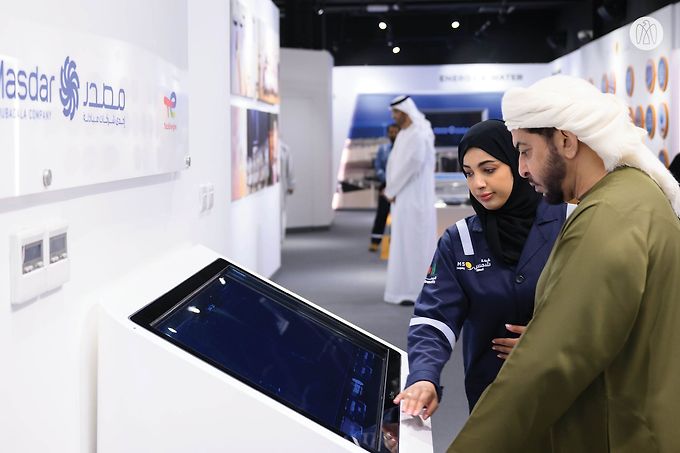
(153, 396)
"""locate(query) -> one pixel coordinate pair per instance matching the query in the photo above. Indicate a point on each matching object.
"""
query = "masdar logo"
(70, 84)
(170, 104)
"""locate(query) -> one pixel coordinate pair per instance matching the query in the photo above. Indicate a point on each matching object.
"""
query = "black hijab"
(506, 229)
(675, 167)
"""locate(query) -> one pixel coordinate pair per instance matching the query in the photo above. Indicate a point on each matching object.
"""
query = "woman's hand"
(390, 438)
(504, 345)
(419, 399)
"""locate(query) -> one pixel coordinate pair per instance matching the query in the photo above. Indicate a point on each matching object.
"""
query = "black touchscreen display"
(286, 349)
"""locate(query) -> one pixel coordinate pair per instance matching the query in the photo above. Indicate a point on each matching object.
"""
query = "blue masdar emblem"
(70, 84)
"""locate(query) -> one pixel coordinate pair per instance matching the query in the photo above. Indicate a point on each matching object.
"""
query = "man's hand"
(419, 399)
(504, 345)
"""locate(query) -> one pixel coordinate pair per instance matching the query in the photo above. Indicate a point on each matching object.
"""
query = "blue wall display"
(639, 117)
(630, 80)
(662, 73)
(650, 121)
(451, 115)
(604, 84)
(663, 120)
(650, 75)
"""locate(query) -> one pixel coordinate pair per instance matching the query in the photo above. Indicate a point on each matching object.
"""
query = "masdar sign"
(88, 114)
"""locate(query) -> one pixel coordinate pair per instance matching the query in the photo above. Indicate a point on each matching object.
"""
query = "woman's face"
(490, 180)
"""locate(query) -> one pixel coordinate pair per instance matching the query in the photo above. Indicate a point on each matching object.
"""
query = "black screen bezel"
(153, 313)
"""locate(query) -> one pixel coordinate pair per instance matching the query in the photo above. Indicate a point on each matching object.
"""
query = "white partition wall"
(254, 196)
(306, 127)
(48, 345)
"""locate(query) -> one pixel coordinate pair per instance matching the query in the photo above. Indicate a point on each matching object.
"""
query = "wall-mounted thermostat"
(39, 261)
(28, 275)
(59, 267)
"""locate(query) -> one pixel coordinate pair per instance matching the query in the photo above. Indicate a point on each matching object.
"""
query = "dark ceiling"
(489, 32)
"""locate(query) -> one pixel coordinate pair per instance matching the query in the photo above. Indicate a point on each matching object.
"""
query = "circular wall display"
(662, 73)
(650, 75)
(631, 113)
(604, 85)
(663, 157)
(639, 117)
(630, 80)
(612, 83)
(663, 120)
(650, 121)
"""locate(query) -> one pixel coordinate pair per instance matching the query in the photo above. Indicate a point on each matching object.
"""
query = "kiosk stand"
(199, 354)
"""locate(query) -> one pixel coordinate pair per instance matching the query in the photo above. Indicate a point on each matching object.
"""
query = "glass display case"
(451, 189)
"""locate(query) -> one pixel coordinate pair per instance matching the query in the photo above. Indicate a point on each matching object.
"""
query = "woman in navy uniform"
(484, 272)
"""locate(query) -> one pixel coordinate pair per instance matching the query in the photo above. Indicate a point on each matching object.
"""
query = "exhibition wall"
(306, 126)
(253, 105)
(351, 81)
(643, 79)
(450, 116)
(447, 89)
(115, 222)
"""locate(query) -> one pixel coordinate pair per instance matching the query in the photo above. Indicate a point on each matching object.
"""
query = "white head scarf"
(599, 120)
(406, 105)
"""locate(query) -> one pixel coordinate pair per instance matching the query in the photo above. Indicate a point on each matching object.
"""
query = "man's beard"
(556, 170)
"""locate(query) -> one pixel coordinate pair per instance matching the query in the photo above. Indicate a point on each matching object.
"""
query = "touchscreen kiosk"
(273, 361)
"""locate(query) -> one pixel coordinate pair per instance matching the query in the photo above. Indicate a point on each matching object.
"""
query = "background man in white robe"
(287, 182)
(410, 189)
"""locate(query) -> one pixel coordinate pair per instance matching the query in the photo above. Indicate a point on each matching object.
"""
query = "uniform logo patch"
(468, 266)
(431, 274)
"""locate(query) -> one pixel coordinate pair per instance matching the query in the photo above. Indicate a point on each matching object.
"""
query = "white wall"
(255, 231)
(350, 81)
(48, 347)
(306, 126)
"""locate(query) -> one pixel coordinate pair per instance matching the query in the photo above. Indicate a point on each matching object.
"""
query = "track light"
(382, 25)
(455, 24)
(396, 49)
(377, 8)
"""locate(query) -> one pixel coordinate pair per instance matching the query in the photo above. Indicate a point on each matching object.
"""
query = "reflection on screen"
(254, 334)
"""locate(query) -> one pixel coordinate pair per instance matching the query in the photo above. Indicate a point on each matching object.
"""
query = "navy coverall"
(468, 289)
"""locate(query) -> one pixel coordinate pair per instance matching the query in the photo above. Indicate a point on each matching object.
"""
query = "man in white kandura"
(410, 189)
(287, 182)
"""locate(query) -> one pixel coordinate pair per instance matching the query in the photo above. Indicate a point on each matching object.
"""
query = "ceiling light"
(320, 12)
(377, 8)
(455, 24)
(396, 49)
(382, 25)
